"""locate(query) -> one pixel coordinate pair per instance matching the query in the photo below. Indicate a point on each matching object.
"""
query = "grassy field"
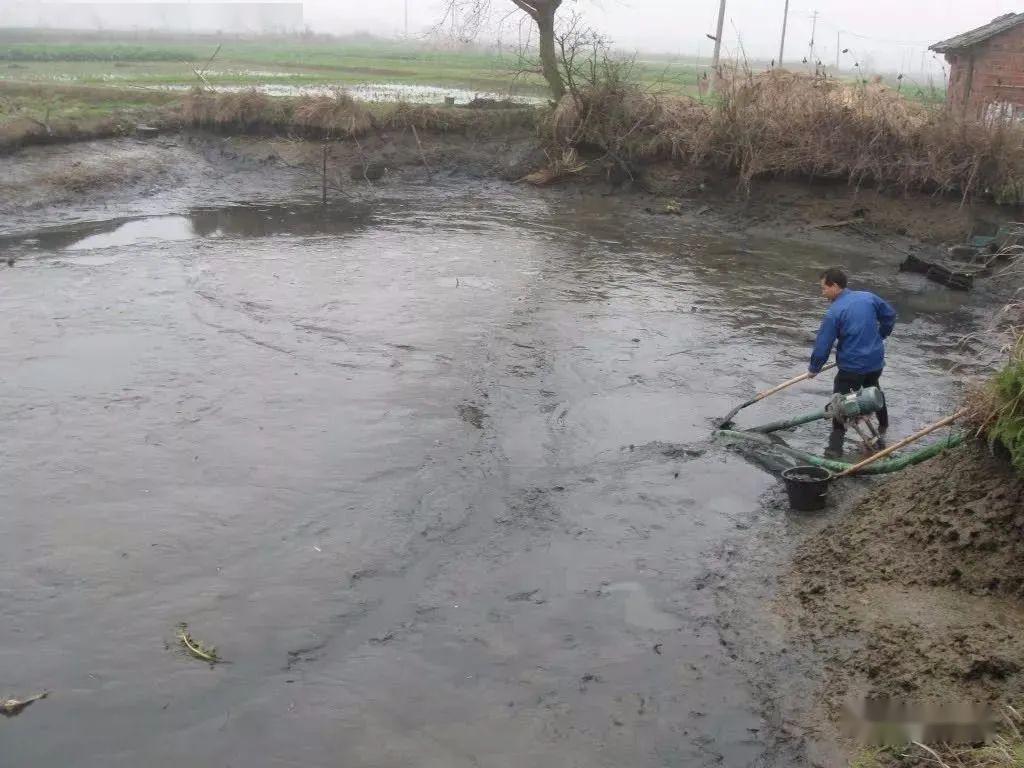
(64, 84)
(286, 62)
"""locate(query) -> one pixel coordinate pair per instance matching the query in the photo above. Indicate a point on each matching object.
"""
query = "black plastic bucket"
(807, 487)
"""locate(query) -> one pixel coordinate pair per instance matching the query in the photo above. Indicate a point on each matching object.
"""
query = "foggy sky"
(893, 33)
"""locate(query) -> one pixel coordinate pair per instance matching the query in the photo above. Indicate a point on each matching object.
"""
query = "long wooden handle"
(904, 442)
(795, 380)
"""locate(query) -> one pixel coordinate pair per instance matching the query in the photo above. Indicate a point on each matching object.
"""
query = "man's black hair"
(834, 276)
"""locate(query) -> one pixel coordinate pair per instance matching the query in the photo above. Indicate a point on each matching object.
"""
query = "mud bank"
(917, 592)
(128, 171)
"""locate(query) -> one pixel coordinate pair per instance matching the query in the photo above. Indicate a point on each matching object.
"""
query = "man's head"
(833, 282)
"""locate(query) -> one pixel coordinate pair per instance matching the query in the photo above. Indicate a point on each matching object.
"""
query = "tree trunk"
(545, 19)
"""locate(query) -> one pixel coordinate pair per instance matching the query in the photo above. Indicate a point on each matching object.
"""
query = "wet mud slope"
(919, 592)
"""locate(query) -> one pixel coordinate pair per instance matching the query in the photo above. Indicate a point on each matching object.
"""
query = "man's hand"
(811, 374)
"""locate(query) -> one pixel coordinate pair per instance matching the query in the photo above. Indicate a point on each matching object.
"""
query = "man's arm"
(886, 317)
(823, 344)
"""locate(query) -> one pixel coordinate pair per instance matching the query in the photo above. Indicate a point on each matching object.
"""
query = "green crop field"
(287, 62)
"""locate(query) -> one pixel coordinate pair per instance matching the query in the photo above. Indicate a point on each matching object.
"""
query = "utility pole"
(782, 43)
(838, 49)
(814, 28)
(718, 38)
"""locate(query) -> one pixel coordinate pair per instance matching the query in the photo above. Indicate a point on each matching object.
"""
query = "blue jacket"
(859, 321)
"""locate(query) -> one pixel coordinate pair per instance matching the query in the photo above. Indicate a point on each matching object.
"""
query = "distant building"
(205, 18)
(986, 68)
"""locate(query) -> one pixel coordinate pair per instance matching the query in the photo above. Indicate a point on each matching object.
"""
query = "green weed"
(1007, 425)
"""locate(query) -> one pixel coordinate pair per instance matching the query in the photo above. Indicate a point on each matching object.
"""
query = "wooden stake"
(423, 157)
(324, 177)
(904, 442)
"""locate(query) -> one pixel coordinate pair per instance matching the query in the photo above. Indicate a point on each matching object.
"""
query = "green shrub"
(997, 408)
(1008, 425)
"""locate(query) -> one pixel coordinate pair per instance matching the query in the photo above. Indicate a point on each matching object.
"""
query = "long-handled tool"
(904, 442)
(767, 393)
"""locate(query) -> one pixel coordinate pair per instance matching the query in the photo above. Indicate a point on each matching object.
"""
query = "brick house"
(986, 68)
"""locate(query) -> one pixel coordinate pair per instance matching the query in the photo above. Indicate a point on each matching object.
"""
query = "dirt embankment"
(863, 172)
(40, 177)
(919, 592)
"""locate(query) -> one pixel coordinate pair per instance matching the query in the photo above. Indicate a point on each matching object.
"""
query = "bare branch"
(530, 9)
(467, 18)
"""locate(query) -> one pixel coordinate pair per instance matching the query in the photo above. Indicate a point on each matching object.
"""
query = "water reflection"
(155, 228)
(231, 221)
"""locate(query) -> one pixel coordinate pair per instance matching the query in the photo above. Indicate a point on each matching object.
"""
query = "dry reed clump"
(426, 117)
(784, 124)
(254, 112)
(423, 117)
(331, 116)
(247, 110)
(339, 116)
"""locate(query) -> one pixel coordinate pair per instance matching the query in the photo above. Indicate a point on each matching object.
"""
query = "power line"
(875, 39)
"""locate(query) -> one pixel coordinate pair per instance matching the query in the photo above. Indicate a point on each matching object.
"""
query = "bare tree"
(469, 16)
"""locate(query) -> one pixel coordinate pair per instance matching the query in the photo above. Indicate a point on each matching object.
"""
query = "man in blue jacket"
(856, 322)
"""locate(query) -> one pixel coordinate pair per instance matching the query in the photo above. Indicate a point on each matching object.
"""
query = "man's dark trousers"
(847, 382)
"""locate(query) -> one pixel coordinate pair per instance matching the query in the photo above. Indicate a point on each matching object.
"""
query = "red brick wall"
(998, 77)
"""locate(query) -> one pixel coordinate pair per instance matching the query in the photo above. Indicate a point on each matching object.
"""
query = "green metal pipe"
(796, 421)
(882, 467)
(859, 403)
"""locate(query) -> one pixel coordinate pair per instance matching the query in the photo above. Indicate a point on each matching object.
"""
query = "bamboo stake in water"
(423, 156)
(324, 177)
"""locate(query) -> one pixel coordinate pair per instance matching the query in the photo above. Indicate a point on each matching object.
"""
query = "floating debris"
(194, 647)
(12, 707)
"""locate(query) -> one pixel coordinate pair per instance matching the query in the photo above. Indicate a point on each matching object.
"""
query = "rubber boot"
(835, 444)
(883, 417)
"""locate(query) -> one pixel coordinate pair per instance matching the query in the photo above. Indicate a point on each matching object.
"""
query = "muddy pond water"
(430, 469)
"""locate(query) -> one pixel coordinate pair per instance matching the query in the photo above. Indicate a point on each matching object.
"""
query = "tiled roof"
(995, 27)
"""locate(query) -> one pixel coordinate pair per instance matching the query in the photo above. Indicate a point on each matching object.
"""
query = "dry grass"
(782, 124)
(338, 116)
(1005, 750)
(332, 115)
(245, 111)
(319, 117)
